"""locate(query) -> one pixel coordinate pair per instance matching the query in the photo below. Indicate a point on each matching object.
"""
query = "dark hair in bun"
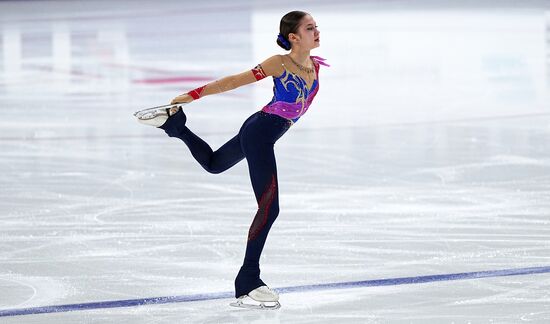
(289, 24)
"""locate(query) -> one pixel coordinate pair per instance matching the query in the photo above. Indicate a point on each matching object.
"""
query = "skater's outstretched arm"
(270, 67)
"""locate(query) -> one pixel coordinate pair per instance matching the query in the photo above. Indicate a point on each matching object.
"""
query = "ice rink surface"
(426, 152)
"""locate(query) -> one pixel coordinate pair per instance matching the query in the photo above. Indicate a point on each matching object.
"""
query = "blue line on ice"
(316, 287)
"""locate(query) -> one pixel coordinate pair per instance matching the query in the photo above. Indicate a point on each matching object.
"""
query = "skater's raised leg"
(217, 161)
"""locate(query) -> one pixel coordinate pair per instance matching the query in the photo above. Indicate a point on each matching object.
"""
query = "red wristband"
(196, 93)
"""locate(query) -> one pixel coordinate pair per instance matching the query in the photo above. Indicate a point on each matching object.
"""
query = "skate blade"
(153, 112)
(249, 303)
(156, 121)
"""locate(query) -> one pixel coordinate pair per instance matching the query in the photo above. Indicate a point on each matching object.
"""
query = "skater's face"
(307, 36)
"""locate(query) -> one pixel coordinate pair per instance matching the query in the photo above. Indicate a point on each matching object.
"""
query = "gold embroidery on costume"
(286, 81)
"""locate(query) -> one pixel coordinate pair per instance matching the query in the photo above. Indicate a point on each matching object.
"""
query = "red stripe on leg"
(260, 220)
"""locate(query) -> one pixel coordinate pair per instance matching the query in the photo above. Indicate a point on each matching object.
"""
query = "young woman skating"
(296, 82)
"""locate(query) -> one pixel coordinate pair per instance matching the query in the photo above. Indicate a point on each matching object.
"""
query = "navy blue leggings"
(254, 142)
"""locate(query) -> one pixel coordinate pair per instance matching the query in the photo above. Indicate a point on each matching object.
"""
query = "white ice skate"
(156, 116)
(260, 298)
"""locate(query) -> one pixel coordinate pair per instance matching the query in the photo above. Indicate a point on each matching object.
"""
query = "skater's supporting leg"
(257, 142)
(248, 278)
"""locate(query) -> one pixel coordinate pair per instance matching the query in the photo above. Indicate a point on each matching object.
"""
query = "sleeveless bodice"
(291, 94)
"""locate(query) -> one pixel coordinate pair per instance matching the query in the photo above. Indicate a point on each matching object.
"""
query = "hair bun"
(283, 42)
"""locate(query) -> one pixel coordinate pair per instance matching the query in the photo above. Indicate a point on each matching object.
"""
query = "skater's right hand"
(184, 98)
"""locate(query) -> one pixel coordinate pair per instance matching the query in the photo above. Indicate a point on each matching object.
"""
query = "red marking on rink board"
(172, 80)
(139, 68)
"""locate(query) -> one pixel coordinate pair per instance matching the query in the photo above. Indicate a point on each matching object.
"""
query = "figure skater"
(295, 77)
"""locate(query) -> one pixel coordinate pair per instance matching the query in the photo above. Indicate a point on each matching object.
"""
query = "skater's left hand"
(184, 98)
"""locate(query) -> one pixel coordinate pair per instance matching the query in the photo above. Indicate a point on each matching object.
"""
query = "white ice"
(425, 152)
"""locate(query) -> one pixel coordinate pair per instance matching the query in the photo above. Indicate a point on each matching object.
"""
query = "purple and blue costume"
(291, 95)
